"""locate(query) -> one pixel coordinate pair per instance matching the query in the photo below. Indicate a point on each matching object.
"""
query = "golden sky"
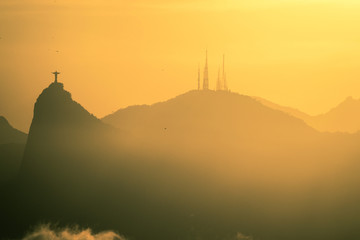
(115, 53)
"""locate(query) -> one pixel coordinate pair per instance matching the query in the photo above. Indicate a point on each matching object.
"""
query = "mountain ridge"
(9, 134)
(185, 96)
(345, 117)
(208, 117)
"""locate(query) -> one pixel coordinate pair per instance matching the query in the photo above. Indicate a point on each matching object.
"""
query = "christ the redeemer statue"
(56, 73)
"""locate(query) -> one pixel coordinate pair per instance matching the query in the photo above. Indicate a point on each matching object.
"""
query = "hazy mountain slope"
(231, 127)
(8, 134)
(235, 152)
(343, 118)
(199, 120)
(291, 111)
(216, 107)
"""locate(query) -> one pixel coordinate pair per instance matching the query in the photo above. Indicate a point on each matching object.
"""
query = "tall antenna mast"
(224, 75)
(206, 74)
(218, 83)
(198, 76)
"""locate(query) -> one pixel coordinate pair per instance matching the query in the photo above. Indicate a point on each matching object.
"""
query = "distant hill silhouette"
(343, 118)
(8, 134)
(289, 110)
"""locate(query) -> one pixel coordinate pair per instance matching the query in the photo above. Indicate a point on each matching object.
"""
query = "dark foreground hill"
(204, 165)
(64, 156)
(12, 144)
(60, 130)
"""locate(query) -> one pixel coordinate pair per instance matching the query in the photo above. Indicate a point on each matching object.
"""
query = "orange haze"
(111, 54)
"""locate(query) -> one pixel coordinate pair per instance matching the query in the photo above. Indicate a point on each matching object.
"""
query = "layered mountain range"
(203, 165)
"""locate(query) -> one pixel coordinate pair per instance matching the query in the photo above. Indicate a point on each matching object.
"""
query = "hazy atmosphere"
(303, 54)
(179, 120)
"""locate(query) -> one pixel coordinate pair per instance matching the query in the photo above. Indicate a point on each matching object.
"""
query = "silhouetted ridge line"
(214, 102)
(201, 120)
(8, 134)
(3, 121)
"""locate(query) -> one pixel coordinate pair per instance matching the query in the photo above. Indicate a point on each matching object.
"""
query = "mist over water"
(48, 232)
(51, 232)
